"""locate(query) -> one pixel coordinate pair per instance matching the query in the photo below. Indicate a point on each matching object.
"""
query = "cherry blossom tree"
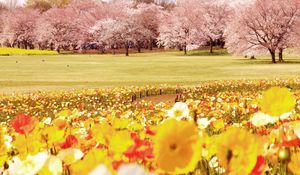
(47, 4)
(147, 17)
(117, 32)
(181, 26)
(41, 5)
(263, 26)
(123, 28)
(294, 38)
(216, 15)
(56, 30)
(173, 33)
(85, 13)
(18, 27)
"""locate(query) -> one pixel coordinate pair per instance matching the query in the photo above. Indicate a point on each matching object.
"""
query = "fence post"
(176, 99)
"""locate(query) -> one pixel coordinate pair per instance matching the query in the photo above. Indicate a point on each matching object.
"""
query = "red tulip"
(70, 141)
(23, 124)
(259, 167)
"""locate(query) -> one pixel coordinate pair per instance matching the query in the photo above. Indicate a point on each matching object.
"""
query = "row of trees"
(256, 27)
(82, 24)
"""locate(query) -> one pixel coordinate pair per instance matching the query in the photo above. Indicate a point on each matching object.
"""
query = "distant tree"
(145, 1)
(56, 30)
(123, 27)
(18, 27)
(294, 38)
(166, 4)
(46, 4)
(2, 9)
(216, 15)
(265, 25)
(181, 26)
(174, 34)
(148, 18)
(112, 33)
(59, 3)
(117, 32)
(42, 5)
(84, 14)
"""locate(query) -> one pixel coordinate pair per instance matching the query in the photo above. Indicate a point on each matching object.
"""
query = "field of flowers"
(7, 51)
(220, 127)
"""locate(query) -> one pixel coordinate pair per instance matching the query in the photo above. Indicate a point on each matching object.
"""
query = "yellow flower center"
(173, 147)
(229, 155)
(178, 113)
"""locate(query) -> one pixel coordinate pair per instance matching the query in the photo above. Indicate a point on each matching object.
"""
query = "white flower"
(100, 170)
(179, 111)
(285, 115)
(54, 165)
(70, 155)
(254, 106)
(213, 163)
(220, 170)
(7, 141)
(261, 119)
(203, 123)
(47, 121)
(132, 169)
(30, 166)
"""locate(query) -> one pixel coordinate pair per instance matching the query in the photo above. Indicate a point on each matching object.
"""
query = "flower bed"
(7, 51)
(232, 127)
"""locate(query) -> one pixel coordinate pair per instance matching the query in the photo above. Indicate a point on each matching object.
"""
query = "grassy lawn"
(31, 73)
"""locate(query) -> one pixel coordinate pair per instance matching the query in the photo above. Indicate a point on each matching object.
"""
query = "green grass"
(6, 51)
(205, 52)
(32, 73)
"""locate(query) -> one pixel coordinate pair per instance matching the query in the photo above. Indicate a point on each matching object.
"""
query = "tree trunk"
(139, 47)
(113, 50)
(280, 54)
(211, 46)
(151, 44)
(184, 48)
(31, 46)
(102, 50)
(25, 45)
(126, 49)
(272, 52)
(52, 46)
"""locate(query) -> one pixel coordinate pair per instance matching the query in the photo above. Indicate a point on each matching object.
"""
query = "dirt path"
(168, 98)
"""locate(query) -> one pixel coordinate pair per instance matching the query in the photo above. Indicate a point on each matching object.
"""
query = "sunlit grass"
(46, 72)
